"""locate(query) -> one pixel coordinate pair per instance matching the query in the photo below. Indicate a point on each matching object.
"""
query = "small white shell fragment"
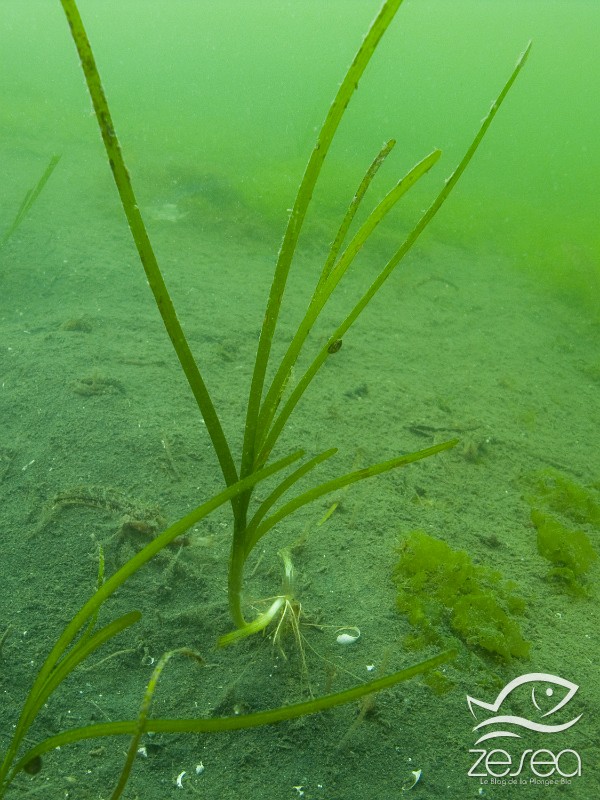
(199, 768)
(179, 779)
(348, 638)
(415, 777)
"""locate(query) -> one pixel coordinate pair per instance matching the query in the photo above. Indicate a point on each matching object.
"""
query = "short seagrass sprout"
(268, 410)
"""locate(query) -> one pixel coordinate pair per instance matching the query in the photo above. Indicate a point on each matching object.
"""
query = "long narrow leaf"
(352, 209)
(144, 246)
(143, 715)
(29, 199)
(412, 237)
(100, 580)
(150, 550)
(285, 485)
(115, 581)
(297, 216)
(79, 653)
(337, 483)
(318, 302)
(235, 723)
(377, 215)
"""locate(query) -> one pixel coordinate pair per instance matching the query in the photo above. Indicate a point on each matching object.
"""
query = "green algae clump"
(570, 551)
(441, 588)
(580, 504)
(556, 502)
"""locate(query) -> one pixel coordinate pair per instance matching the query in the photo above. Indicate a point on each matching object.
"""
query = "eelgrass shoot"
(80, 640)
(269, 408)
(30, 197)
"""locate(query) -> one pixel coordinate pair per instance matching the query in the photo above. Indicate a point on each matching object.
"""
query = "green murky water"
(488, 331)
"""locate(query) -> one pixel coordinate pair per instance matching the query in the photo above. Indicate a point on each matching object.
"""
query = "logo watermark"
(497, 765)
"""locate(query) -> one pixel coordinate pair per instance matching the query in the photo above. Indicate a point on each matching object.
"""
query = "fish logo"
(543, 687)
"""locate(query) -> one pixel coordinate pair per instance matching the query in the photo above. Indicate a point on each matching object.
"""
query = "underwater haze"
(245, 86)
(489, 331)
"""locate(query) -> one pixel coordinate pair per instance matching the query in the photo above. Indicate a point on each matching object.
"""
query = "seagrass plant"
(269, 407)
(30, 197)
